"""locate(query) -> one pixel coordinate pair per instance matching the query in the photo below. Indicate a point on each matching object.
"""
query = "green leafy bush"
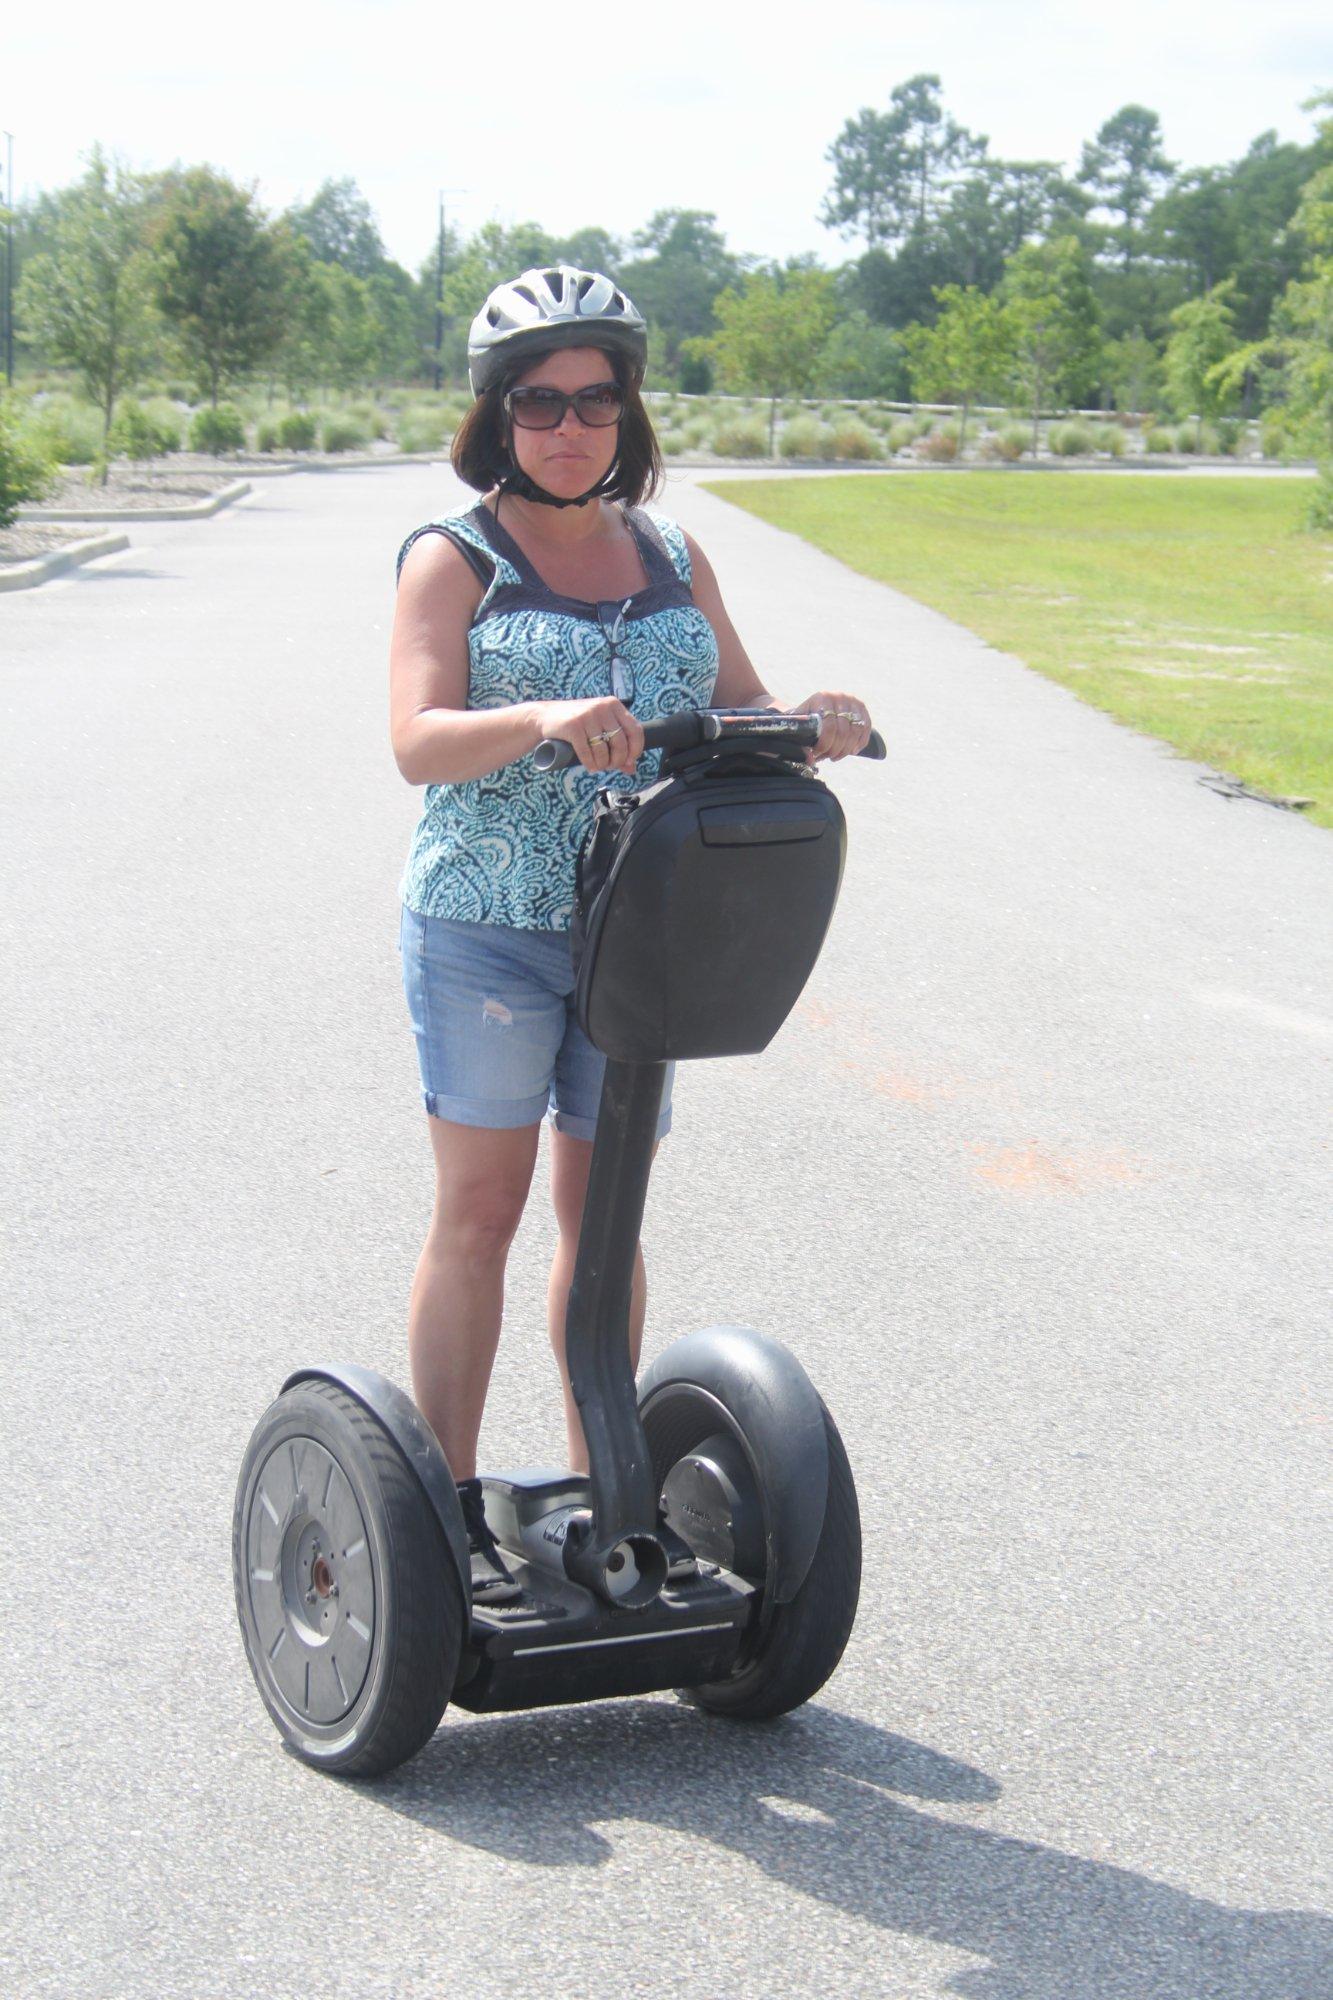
(1159, 439)
(1231, 436)
(297, 430)
(1109, 438)
(217, 431)
(26, 471)
(342, 432)
(740, 437)
(66, 430)
(803, 437)
(141, 434)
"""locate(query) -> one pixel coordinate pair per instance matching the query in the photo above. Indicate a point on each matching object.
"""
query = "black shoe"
(492, 1582)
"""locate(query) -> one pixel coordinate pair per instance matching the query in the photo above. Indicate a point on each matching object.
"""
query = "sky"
(605, 114)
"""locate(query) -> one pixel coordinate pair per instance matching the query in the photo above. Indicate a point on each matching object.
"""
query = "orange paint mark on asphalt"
(1035, 1170)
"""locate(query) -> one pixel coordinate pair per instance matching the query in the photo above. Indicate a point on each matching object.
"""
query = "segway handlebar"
(692, 727)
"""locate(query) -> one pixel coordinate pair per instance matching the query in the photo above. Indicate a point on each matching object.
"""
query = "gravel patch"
(26, 541)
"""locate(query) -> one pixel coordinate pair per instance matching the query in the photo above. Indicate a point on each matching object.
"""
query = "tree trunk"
(773, 424)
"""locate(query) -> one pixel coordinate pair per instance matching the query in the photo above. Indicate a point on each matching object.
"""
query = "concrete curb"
(23, 576)
(197, 510)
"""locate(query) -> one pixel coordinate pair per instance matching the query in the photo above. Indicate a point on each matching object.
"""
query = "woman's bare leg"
(482, 1181)
(571, 1160)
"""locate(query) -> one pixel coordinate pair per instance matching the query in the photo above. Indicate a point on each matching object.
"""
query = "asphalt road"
(1035, 1181)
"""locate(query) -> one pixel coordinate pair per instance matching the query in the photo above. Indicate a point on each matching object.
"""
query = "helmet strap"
(523, 488)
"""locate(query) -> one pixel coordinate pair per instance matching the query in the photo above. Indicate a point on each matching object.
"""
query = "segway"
(714, 1547)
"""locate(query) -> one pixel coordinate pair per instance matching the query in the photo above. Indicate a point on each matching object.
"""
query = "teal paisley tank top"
(502, 849)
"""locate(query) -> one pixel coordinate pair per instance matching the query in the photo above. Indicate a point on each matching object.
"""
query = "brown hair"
(481, 457)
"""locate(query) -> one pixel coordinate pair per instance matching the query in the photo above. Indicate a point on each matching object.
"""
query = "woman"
(552, 608)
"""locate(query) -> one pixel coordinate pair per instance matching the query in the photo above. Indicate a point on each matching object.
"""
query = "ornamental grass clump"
(740, 437)
(803, 437)
(1070, 441)
(342, 432)
(216, 432)
(851, 439)
(1006, 445)
(939, 447)
(423, 428)
(1159, 439)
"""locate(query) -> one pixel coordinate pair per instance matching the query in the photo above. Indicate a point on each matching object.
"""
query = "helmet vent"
(526, 292)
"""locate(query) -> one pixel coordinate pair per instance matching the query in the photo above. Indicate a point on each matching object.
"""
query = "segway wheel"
(798, 1644)
(349, 1605)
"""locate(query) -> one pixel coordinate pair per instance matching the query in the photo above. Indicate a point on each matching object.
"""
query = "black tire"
(353, 1637)
(801, 1642)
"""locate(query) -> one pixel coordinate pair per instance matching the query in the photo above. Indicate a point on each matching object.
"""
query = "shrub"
(1230, 436)
(140, 434)
(698, 431)
(297, 430)
(1318, 515)
(371, 418)
(1007, 444)
(66, 431)
(343, 433)
(740, 437)
(673, 442)
(850, 438)
(939, 446)
(1110, 438)
(803, 437)
(217, 431)
(422, 429)
(901, 435)
(1274, 437)
(26, 471)
(1070, 441)
(1159, 439)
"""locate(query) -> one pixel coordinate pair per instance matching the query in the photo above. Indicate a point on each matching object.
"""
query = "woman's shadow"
(818, 1801)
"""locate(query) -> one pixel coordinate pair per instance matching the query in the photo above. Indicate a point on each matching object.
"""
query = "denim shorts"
(498, 1045)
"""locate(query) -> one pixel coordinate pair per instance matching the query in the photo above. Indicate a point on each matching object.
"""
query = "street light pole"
(9, 260)
(439, 287)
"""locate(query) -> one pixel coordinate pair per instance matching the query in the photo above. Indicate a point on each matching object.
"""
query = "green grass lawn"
(1192, 609)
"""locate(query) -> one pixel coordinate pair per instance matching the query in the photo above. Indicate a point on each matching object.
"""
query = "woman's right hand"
(603, 734)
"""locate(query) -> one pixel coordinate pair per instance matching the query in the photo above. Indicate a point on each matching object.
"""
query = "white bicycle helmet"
(539, 311)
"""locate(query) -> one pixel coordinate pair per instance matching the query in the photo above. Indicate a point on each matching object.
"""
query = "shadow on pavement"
(818, 1803)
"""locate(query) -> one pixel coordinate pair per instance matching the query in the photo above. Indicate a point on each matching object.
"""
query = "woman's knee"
(481, 1189)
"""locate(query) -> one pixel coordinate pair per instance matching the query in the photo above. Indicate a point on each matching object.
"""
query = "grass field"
(1192, 609)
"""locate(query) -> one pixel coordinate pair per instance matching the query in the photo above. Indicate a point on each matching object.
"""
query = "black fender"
(772, 1406)
(397, 1414)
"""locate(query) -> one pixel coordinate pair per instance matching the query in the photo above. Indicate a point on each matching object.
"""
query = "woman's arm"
(436, 738)
(845, 722)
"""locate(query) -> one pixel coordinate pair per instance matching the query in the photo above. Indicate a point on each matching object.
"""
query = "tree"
(1053, 320)
(967, 354)
(592, 249)
(681, 266)
(340, 226)
(771, 329)
(891, 169)
(1132, 372)
(222, 278)
(1203, 335)
(1124, 167)
(861, 359)
(87, 300)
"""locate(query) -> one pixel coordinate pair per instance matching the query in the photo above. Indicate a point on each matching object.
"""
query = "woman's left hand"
(844, 728)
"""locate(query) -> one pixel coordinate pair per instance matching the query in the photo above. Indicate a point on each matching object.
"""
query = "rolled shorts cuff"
(485, 1111)
(586, 1128)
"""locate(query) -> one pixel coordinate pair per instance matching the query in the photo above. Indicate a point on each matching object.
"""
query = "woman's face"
(568, 460)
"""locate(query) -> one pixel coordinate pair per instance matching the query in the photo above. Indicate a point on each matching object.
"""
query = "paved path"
(1035, 1180)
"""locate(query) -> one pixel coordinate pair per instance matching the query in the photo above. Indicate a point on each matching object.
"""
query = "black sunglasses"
(599, 405)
